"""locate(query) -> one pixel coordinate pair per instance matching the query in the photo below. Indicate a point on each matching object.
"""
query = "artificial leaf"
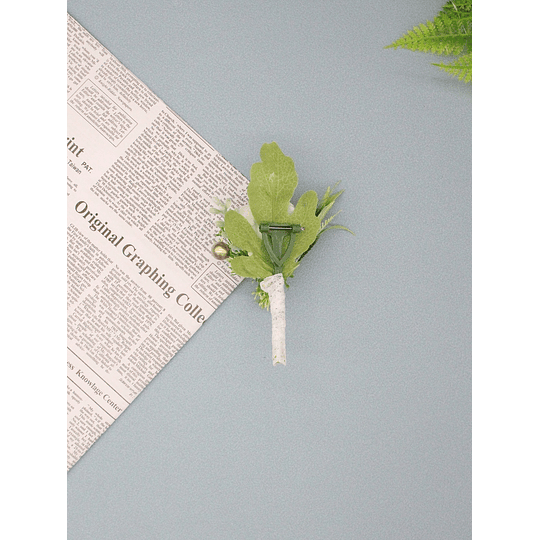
(251, 267)
(272, 185)
(342, 227)
(305, 215)
(241, 233)
(326, 228)
(326, 222)
(328, 199)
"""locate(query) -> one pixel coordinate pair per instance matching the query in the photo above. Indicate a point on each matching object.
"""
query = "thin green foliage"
(326, 203)
(461, 68)
(449, 34)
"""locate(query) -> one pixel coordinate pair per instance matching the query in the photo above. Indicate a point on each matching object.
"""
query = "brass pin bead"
(220, 251)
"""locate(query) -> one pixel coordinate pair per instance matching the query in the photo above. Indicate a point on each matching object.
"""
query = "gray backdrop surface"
(365, 434)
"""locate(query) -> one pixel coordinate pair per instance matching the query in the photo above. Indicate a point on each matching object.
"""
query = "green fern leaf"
(460, 9)
(461, 13)
(449, 34)
(442, 36)
(462, 68)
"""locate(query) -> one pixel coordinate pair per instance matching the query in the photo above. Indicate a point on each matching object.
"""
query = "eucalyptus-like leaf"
(251, 267)
(272, 185)
(305, 215)
(241, 234)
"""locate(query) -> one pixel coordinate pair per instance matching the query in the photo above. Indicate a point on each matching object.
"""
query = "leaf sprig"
(272, 186)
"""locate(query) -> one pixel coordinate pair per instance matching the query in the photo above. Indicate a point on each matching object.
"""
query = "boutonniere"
(266, 239)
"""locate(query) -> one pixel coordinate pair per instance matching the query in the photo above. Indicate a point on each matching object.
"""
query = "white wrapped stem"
(275, 287)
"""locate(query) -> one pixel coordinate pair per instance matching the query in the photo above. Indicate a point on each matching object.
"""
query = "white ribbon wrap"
(275, 287)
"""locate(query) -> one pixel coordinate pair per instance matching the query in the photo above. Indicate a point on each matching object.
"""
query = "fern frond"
(450, 33)
(461, 68)
(458, 8)
(444, 35)
(461, 12)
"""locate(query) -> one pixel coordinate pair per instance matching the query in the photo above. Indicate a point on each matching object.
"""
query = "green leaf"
(342, 227)
(450, 33)
(444, 35)
(251, 267)
(241, 234)
(328, 199)
(462, 67)
(325, 223)
(272, 185)
(305, 215)
(459, 9)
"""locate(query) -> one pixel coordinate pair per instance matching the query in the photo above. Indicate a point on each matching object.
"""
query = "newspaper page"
(141, 278)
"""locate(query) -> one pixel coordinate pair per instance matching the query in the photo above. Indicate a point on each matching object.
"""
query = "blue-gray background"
(365, 434)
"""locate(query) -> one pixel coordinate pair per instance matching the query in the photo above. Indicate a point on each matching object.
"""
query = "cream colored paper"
(141, 278)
